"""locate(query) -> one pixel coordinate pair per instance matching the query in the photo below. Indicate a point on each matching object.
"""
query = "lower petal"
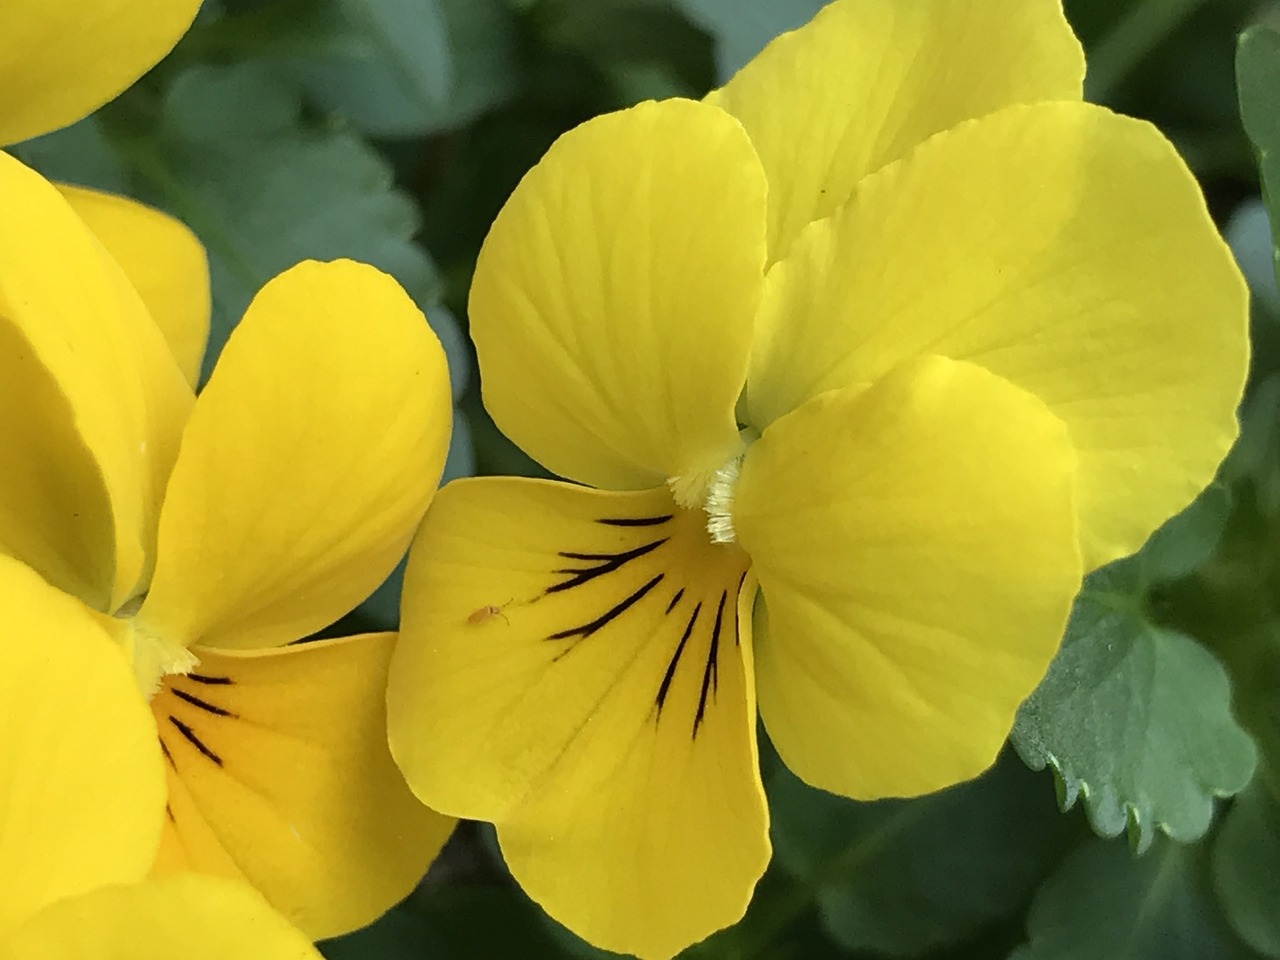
(279, 773)
(189, 916)
(916, 549)
(576, 666)
(80, 773)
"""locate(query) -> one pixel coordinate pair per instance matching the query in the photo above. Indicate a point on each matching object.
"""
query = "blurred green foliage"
(392, 131)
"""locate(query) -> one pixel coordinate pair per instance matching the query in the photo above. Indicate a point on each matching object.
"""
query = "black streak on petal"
(737, 598)
(210, 681)
(675, 659)
(636, 521)
(608, 563)
(194, 740)
(711, 672)
(587, 629)
(164, 748)
(674, 600)
(202, 704)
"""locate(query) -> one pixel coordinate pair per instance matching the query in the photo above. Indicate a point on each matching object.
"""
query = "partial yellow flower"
(61, 59)
(204, 536)
(893, 331)
(84, 804)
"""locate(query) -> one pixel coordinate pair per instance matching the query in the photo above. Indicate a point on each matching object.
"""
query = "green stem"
(1148, 24)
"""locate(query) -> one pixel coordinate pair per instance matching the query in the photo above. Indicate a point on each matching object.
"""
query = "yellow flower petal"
(95, 403)
(916, 550)
(576, 666)
(309, 460)
(867, 80)
(80, 772)
(162, 259)
(192, 917)
(61, 59)
(612, 301)
(1066, 249)
(279, 773)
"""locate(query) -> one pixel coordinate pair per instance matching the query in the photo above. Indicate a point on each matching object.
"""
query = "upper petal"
(61, 59)
(867, 80)
(187, 916)
(279, 773)
(162, 259)
(613, 298)
(576, 666)
(1066, 249)
(94, 402)
(916, 550)
(80, 771)
(308, 462)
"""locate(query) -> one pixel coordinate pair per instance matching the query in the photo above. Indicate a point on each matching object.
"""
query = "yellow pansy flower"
(202, 537)
(868, 358)
(242, 756)
(76, 860)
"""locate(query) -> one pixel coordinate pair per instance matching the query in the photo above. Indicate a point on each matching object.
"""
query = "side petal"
(917, 574)
(308, 462)
(80, 770)
(162, 259)
(1066, 249)
(93, 401)
(867, 80)
(189, 916)
(279, 773)
(612, 301)
(576, 666)
(61, 59)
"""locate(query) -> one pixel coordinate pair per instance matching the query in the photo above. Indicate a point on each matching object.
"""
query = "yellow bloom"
(61, 59)
(201, 537)
(76, 860)
(893, 326)
(291, 499)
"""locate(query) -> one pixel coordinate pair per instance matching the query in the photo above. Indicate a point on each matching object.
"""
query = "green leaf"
(80, 153)
(1105, 904)
(741, 28)
(1248, 233)
(454, 921)
(398, 935)
(233, 157)
(406, 67)
(1134, 717)
(645, 47)
(1258, 79)
(1246, 868)
(900, 877)
(1187, 541)
(227, 150)
(1246, 854)
(1253, 465)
